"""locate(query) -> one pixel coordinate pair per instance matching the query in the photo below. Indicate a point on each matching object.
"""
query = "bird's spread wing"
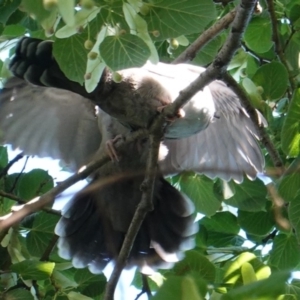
(48, 122)
(227, 148)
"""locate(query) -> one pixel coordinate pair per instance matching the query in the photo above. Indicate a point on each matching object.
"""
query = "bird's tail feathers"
(88, 237)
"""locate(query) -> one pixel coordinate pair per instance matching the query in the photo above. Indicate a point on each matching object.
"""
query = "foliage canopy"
(121, 34)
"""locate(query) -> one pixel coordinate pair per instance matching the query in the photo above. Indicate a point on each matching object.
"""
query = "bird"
(44, 113)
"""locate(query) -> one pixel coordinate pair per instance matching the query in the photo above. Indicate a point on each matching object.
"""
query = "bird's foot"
(179, 114)
(110, 148)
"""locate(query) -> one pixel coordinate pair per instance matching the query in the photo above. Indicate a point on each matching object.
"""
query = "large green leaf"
(290, 133)
(33, 269)
(3, 157)
(12, 31)
(18, 294)
(34, 183)
(220, 230)
(200, 190)
(293, 287)
(7, 8)
(285, 254)
(89, 284)
(41, 233)
(258, 34)
(172, 18)
(71, 56)
(179, 288)
(273, 77)
(249, 195)
(289, 184)
(124, 51)
(257, 223)
(196, 263)
(267, 289)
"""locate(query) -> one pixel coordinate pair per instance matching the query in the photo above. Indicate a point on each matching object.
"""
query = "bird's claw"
(110, 148)
(179, 114)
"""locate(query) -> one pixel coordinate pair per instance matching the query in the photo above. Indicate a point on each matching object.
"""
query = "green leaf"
(257, 223)
(124, 51)
(41, 233)
(89, 284)
(64, 279)
(34, 183)
(248, 273)
(18, 294)
(294, 288)
(224, 222)
(294, 213)
(7, 8)
(233, 274)
(66, 9)
(249, 195)
(266, 289)
(175, 288)
(273, 77)
(71, 56)
(12, 31)
(197, 264)
(77, 296)
(221, 230)
(290, 133)
(200, 190)
(292, 52)
(172, 18)
(258, 34)
(208, 52)
(289, 185)
(33, 269)
(189, 289)
(3, 157)
(285, 254)
(45, 17)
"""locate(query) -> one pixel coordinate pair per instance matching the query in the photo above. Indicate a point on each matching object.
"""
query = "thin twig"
(49, 249)
(19, 175)
(4, 171)
(146, 287)
(278, 205)
(208, 35)
(276, 40)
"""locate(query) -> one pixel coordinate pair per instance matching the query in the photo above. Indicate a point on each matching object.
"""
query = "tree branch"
(19, 212)
(143, 208)
(22, 201)
(209, 34)
(277, 43)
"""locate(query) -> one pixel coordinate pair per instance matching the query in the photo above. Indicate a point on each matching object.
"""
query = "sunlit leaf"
(33, 269)
(290, 133)
(124, 51)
